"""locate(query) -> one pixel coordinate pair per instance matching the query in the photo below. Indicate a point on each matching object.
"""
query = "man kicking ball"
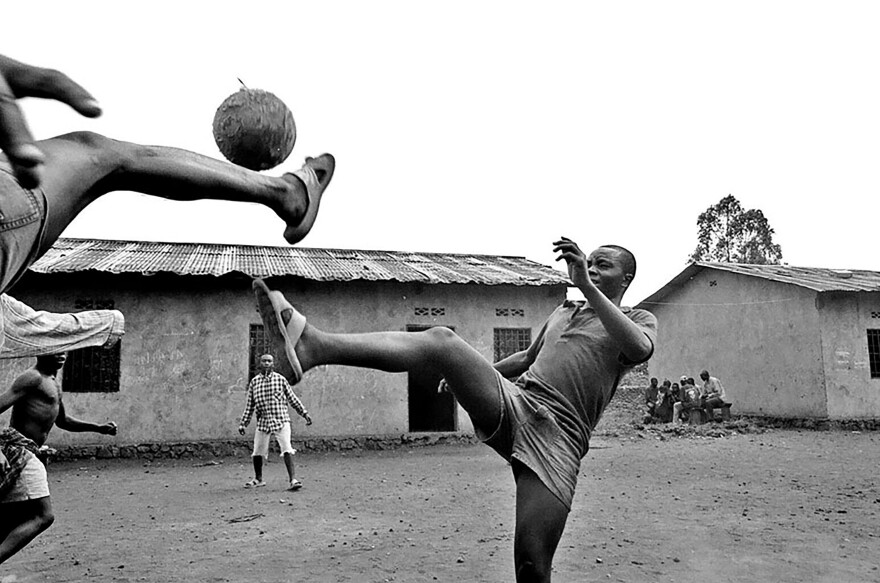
(540, 421)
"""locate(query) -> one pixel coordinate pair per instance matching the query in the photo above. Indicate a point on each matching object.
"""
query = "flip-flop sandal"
(285, 336)
(255, 484)
(314, 189)
(295, 485)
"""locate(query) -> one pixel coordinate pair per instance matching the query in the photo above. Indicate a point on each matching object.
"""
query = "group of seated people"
(675, 402)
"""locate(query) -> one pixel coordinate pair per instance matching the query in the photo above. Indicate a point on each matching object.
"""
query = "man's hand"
(307, 418)
(241, 429)
(575, 260)
(109, 428)
(19, 80)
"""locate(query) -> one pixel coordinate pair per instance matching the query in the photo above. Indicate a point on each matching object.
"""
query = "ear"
(627, 279)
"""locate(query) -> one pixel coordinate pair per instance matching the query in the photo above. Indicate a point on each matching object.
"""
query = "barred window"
(874, 353)
(92, 370)
(258, 345)
(95, 369)
(509, 341)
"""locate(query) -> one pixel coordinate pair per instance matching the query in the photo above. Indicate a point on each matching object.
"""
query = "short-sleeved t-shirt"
(577, 365)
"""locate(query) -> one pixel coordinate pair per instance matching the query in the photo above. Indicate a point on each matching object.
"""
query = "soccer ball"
(255, 129)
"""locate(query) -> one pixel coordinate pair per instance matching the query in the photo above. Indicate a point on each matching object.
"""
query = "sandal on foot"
(284, 336)
(315, 188)
(255, 483)
(294, 485)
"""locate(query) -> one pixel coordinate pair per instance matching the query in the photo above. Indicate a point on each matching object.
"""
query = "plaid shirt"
(269, 395)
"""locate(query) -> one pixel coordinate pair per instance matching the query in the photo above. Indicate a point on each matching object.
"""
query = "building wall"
(184, 358)
(760, 337)
(846, 318)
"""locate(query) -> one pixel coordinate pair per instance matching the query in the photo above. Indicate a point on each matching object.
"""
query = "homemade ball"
(255, 129)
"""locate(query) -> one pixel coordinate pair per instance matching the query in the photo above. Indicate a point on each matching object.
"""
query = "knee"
(441, 335)
(45, 520)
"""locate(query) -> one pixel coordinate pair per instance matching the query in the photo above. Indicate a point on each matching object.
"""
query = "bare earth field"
(711, 505)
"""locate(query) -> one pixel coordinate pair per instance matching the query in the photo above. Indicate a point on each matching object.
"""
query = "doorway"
(428, 409)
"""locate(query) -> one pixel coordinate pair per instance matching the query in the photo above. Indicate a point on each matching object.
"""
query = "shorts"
(22, 221)
(282, 436)
(32, 483)
(25, 332)
(529, 433)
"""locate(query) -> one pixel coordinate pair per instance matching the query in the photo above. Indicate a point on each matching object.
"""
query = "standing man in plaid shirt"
(268, 395)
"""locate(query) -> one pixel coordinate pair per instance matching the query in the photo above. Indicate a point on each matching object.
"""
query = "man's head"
(654, 381)
(704, 375)
(611, 269)
(683, 379)
(267, 363)
(51, 362)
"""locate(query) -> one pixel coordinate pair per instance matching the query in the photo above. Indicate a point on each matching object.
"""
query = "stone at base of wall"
(816, 424)
(243, 447)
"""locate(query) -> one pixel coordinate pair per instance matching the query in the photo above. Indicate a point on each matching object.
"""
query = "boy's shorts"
(32, 483)
(528, 432)
(261, 441)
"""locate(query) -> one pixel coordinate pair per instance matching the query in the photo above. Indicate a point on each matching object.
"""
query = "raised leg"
(82, 166)
(540, 521)
(26, 521)
(470, 377)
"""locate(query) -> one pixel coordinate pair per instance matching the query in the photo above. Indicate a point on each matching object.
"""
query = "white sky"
(495, 127)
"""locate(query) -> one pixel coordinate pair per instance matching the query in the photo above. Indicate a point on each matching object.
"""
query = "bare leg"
(258, 467)
(471, 378)
(540, 521)
(291, 469)
(82, 166)
(30, 518)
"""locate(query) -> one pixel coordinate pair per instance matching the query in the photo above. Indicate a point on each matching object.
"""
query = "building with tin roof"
(193, 335)
(792, 342)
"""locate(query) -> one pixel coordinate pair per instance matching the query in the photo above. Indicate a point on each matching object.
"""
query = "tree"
(727, 233)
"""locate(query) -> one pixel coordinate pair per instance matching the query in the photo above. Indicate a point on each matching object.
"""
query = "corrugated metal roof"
(74, 255)
(818, 279)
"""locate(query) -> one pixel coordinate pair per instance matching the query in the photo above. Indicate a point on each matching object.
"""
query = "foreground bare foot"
(309, 184)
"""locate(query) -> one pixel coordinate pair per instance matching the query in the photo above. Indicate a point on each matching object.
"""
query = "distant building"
(788, 342)
(193, 335)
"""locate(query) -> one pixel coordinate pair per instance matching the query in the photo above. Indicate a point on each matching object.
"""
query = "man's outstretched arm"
(69, 423)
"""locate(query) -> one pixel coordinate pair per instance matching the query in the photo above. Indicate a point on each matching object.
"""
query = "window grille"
(874, 353)
(95, 369)
(509, 341)
(258, 345)
(515, 312)
(875, 314)
(429, 311)
(92, 370)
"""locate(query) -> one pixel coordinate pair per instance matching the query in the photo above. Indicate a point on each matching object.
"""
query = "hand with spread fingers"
(575, 259)
(18, 80)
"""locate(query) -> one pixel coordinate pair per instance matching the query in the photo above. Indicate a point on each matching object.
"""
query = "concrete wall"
(846, 317)
(760, 337)
(184, 356)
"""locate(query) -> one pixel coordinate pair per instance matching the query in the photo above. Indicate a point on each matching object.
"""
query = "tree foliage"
(728, 233)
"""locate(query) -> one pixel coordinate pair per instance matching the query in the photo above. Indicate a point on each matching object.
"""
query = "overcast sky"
(496, 127)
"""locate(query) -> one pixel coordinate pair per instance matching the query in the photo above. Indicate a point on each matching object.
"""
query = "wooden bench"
(700, 416)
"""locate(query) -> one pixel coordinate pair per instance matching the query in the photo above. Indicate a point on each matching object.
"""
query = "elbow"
(641, 352)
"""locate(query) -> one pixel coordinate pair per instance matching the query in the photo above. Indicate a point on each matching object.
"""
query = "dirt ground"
(711, 505)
